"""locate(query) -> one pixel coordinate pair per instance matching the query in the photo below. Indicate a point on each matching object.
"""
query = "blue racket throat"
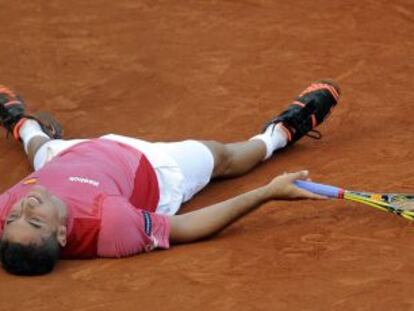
(321, 189)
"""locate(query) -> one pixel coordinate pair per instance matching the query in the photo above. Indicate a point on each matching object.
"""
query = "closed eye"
(35, 225)
(32, 222)
(35, 222)
(11, 218)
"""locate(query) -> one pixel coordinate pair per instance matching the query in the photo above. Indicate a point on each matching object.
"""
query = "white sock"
(28, 130)
(274, 138)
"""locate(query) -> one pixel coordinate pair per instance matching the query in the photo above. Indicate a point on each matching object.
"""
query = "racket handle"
(321, 189)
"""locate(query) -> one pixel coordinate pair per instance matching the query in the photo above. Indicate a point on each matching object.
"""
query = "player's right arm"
(210, 220)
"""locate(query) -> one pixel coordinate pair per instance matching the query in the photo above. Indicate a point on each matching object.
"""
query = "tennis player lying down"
(116, 196)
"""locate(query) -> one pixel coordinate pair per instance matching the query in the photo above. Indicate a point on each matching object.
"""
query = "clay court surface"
(169, 70)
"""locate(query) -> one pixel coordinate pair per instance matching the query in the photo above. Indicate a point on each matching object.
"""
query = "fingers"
(301, 193)
(298, 175)
(309, 195)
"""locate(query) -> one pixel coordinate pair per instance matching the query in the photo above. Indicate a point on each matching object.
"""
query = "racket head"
(401, 204)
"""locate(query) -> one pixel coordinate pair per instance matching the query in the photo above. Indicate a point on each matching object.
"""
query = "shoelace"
(310, 108)
(314, 134)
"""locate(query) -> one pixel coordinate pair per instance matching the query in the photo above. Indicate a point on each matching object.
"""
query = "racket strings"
(396, 204)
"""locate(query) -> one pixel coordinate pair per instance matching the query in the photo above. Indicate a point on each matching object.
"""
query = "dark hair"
(32, 259)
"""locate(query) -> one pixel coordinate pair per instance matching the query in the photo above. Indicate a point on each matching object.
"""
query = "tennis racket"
(397, 203)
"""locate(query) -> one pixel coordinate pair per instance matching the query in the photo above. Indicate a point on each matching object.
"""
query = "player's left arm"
(210, 220)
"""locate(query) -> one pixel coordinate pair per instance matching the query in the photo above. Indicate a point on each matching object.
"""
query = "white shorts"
(182, 168)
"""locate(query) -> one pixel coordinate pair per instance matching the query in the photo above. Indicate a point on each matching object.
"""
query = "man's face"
(34, 217)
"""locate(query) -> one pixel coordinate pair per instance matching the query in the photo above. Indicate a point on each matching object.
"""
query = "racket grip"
(321, 189)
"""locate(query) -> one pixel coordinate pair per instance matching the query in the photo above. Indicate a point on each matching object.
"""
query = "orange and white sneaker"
(307, 111)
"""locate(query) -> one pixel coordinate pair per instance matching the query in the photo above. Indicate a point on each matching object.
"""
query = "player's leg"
(37, 132)
(308, 110)
(33, 146)
(32, 130)
(235, 159)
(41, 139)
(199, 161)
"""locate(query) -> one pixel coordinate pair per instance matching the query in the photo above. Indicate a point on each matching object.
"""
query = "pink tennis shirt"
(110, 191)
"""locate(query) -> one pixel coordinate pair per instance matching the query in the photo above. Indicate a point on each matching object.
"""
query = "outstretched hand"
(207, 221)
(283, 188)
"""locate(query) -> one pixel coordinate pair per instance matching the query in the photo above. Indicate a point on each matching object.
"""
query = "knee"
(222, 158)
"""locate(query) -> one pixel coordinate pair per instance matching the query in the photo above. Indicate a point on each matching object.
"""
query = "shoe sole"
(326, 84)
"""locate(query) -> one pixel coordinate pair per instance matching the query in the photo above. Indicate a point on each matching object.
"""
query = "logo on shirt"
(30, 181)
(83, 180)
